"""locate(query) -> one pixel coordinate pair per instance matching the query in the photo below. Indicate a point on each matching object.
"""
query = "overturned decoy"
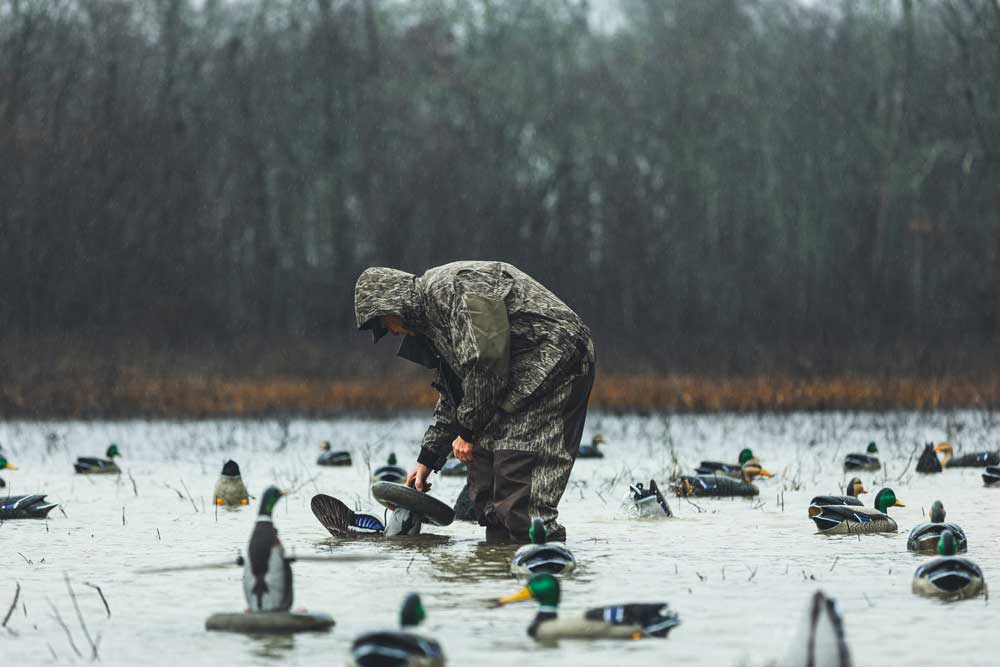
(465, 509)
(399, 648)
(867, 461)
(648, 501)
(854, 489)
(925, 536)
(230, 489)
(86, 465)
(721, 486)
(928, 462)
(591, 451)
(328, 457)
(729, 469)
(820, 639)
(991, 476)
(624, 621)
(409, 508)
(844, 519)
(948, 576)
(390, 472)
(541, 556)
(970, 460)
(341, 520)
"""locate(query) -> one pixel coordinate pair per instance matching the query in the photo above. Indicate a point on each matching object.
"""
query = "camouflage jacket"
(496, 336)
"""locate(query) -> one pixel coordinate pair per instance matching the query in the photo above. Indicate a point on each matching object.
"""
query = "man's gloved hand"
(462, 449)
(418, 478)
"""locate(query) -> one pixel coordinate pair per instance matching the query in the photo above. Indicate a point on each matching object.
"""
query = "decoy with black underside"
(948, 576)
(399, 648)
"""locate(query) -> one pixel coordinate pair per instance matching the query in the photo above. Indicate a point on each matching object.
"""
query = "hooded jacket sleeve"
(436, 446)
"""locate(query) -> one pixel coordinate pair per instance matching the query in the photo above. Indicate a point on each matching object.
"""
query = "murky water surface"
(738, 571)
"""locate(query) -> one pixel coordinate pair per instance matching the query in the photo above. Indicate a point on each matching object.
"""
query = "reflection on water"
(732, 569)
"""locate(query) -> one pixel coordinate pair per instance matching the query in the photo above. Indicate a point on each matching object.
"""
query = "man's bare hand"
(418, 478)
(462, 449)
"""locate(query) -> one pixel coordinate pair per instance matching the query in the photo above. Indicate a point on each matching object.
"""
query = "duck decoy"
(720, 486)
(649, 501)
(854, 489)
(928, 462)
(867, 461)
(390, 472)
(948, 576)
(341, 520)
(4, 466)
(925, 536)
(25, 507)
(267, 574)
(454, 468)
(970, 460)
(820, 640)
(991, 476)
(399, 648)
(730, 469)
(86, 465)
(624, 621)
(541, 556)
(842, 519)
(591, 451)
(230, 489)
(328, 457)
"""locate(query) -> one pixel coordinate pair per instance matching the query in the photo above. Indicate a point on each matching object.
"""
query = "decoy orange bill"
(520, 596)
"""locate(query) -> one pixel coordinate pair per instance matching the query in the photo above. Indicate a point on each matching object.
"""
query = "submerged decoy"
(230, 489)
(22, 507)
(820, 641)
(340, 519)
(399, 648)
(991, 476)
(541, 556)
(86, 465)
(390, 472)
(454, 468)
(648, 502)
(854, 489)
(720, 486)
(328, 457)
(928, 462)
(866, 461)
(625, 621)
(841, 519)
(925, 536)
(267, 574)
(730, 469)
(948, 576)
(591, 451)
(970, 460)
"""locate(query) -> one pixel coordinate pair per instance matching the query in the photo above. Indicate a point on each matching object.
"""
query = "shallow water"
(739, 572)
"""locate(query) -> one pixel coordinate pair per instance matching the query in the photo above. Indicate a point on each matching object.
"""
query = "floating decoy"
(591, 451)
(648, 502)
(867, 461)
(730, 469)
(22, 507)
(465, 510)
(928, 462)
(399, 648)
(541, 556)
(340, 520)
(820, 640)
(925, 536)
(720, 486)
(970, 460)
(230, 489)
(948, 576)
(991, 477)
(454, 468)
(841, 519)
(267, 575)
(86, 465)
(854, 489)
(625, 621)
(390, 472)
(328, 457)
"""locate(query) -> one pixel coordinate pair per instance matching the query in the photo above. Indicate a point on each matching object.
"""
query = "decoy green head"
(325, 446)
(392, 459)
(542, 587)
(267, 502)
(112, 451)
(937, 512)
(4, 465)
(872, 449)
(412, 613)
(885, 499)
(537, 532)
(745, 455)
(947, 546)
(855, 488)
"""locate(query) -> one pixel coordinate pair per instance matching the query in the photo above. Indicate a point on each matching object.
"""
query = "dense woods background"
(718, 186)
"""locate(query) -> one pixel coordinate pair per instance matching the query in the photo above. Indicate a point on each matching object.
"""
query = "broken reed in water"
(134, 394)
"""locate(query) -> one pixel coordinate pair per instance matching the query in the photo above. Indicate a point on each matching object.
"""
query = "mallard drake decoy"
(86, 465)
(399, 648)
(328, 457)
(267, 574)
(4, 465)
(866, 461)
(820, 640)
(948, 576)
(591, 451)
(465, 510)
(649, 502)
(970, 460)
(390, 472)
(730, 469)
(230, 489)
(841, 519)
(454, 468)
(925, 536)
(541, 556)
(854, 489)
(928, 461)
(25, 507)
(720, 486)
(991, 476)
(625, 621)
(339, 519)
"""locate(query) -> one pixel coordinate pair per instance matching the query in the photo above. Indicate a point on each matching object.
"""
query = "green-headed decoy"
(721, 486)
(867, 461)
(541, 556)
(230, 489)
(328, 457)
(730, 469)
(267, 574)
(948, 576)
(925, 536)
(390, 472)
(399, 648)
(850, 519)
(86, 465)
(991, 476)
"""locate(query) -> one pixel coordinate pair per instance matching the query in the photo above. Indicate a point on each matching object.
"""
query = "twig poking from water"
(868, 600)
(699, 575)
(409, 564)
(123, 515)
(175, 490)
(17, 594)
(675, 568)
(157, 534)
(908, 462)
(101, 593)
(79, 615)
(62, 624)
(52, 651)
(135, 488)
(26, 560)
(752, 575)
(834, 563)
(190, 497)
(694, 504)
(723, 572)
(63, 511)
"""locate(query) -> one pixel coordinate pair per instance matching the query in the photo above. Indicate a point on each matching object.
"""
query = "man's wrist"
(428, 457)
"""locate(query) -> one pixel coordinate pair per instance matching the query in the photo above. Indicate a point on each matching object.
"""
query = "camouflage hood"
(383, 291)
